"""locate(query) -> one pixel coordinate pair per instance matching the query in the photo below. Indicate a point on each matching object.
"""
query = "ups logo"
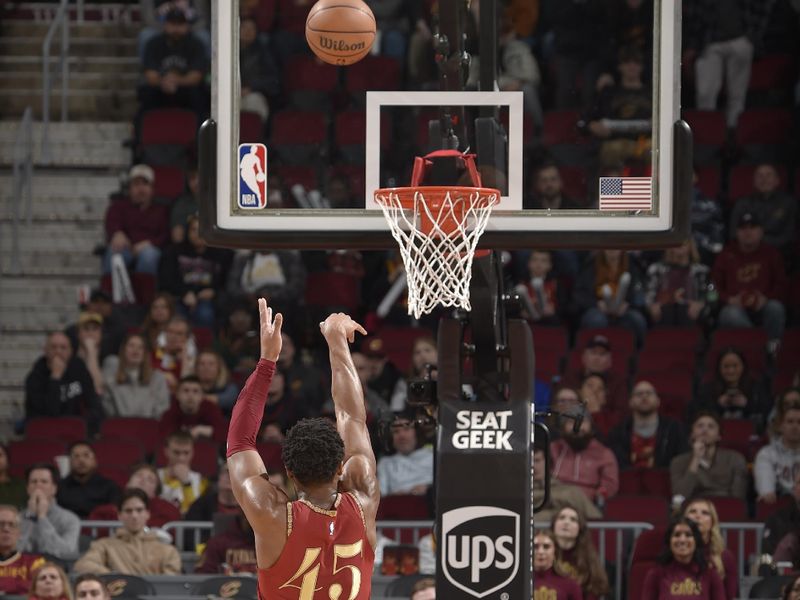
(229, 589)
(116, 587)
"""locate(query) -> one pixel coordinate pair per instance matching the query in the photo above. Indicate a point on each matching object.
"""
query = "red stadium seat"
(24, 453)
(636, 576)
(298, 136)
(709, 180)
(763, 126)
(145, 431)
(355, 175)
(171, 126)
(652, 360)
(297, 174)
(647, 509)
(772, 71)
(251, 128)
(326, 289)
(739, 435)
(765, 510)
(630, 482)
(709, 133)
(550, 351)
(309, 83)
(649, 545)
(114, 452)
(561, 127)
(741, 181)
(673, 338)
(730, 509)
(751, 342)
(372, 73)
(203, 337)
(64, 429)
(350, 135)
(118, 474)
(575, 183)
(403, 507)
(271, 455)
(398, 343)
(790, 342)
(170, 182)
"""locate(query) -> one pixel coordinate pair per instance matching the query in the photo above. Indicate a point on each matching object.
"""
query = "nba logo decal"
(252, 176)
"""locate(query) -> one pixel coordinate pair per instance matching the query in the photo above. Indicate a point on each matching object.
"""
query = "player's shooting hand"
(340, 323)
(271, 341)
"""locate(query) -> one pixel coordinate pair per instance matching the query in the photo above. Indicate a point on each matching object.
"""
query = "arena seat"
(239, 588)
(371, 73)
(740, 181)
(564, 141)
(730, 509)
(575, 182)
(739, 435)
(709, 132)
(170, 182)
(203, 337)
(765, 510)
(143, 430)
(709, 181)
(168, 136)
(297, 174)
(325, 289)
(298, 136)
(64, 429)
(398, 343)
(673, 338)
(115, 452)
(308, 83)
(622, 340)
(350, 134)
(251, 128)
(645, 508)
(646, 549)
(271, 454)
(24, 453)
(403, 507)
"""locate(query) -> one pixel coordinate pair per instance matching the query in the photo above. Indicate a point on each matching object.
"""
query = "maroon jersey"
(548, 585)
(16, 570)
(675, 581)
(327, 555)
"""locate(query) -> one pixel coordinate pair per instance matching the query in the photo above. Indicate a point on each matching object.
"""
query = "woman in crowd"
(548, 581)
(683, 571)
(707, 469)
(720, 559)
(792, 590)
(214, 378)
(594, 394)
(789, 398)
(676, 287)
(161, 310)
(238, 341)
(577, 556)
(49, 582)
(133, 387)
(734, 392)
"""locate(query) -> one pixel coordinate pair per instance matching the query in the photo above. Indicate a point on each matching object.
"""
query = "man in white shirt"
(410, 469)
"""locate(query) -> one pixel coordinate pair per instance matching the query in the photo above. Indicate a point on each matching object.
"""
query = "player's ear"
(340, 470)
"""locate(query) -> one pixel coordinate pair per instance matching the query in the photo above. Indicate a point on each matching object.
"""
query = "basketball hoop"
(438, 229)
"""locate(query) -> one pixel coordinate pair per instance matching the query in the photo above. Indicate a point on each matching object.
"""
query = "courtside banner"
(483, 500)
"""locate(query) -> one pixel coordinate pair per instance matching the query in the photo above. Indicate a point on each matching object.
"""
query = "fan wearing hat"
(90, 338)
(136, 228)
(174, 65)
(751, 279)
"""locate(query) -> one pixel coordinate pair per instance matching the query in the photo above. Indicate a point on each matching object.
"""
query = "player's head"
(313, 452)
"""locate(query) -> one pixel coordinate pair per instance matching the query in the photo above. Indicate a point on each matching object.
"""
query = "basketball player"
(322, 545)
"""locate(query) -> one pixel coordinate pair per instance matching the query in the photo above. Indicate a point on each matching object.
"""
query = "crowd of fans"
(179, 353)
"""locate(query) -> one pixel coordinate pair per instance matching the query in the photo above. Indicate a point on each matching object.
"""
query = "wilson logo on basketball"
(340, 45)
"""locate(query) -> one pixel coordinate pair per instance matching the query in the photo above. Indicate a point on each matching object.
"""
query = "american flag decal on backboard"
(626, 193)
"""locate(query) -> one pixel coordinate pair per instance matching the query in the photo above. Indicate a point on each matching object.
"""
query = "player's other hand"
(341, 324)
(271, 341)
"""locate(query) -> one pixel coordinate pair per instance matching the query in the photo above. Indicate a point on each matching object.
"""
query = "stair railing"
(22, 185)
(61, 19)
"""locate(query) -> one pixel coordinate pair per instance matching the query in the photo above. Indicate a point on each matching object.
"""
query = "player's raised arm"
(351, 414)
(256, 495)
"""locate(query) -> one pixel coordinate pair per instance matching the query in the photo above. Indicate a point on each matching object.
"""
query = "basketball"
(340, 32)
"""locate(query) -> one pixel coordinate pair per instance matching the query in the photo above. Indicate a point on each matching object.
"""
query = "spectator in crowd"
(12, 489)
(775, 209)
(193, 414)
(113, 325)
(646, 439)
(136, 228)
(392, 19)
(174, 66)
(237, 341)
(708, 228)
(547, 190)
(792, 589)
(217, 499)
(410, 469)
(788, 550)
(577, 555)
(719, 41)
(632, 27)
(777, 464)
(260, 77)
(215, 379)
(133, 388)
(594, 395)
(84, 488)
(579, 29)
(707, 469)
(734, 393)
(279, 276)
(90, 340)
(154, 326)
(144, 476)
(232, 551)
(547, 297)
(424, 589)
(134, 550)
(581, 460)
(16, 566)
(154, 12)
(751, 281)
(620, 117)
(177, 356)
(192, 271)
(676, 287)
(90, 587)
(597, 359)
(59, 385)
(281, 412)
(339, 192)
(184, 206)
(181, 485)
(385, 379)
(606, 293)
(548, 581)
(424, 364)
(377, 406)
(683, 567)
(50, 582)
(704, 514)
(304, 380)
(46, 527)
(561, 494)
(789, 398)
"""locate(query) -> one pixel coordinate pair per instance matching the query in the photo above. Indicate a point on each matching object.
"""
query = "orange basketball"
(340, 32)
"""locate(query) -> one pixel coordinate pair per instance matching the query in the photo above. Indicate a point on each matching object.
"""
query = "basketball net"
(437, 229)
